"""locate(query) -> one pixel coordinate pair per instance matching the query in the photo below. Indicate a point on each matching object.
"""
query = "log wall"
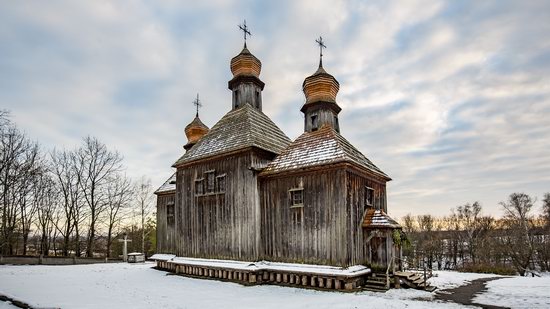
(314, 233)
(329, 229)
(221, 225)
(166, 235)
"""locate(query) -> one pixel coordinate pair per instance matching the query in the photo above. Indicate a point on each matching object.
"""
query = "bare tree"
(46, 195)
(28, 201)
(468, 215)
(144, 199)
(519, 238)
(66, 177)
(18, 161)
(119, 197)
(96, 165)
(546, 209)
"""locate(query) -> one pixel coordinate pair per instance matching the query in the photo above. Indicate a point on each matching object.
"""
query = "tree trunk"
(109, 241)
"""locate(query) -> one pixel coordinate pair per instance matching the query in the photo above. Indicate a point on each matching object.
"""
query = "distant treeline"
(69, 201)
(519, 242)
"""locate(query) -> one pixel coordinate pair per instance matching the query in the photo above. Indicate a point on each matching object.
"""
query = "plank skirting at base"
(254, 277)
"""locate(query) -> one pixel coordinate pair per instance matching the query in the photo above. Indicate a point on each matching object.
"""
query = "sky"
(449, 98)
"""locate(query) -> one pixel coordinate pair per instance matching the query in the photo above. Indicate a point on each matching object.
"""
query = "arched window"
(314, 122)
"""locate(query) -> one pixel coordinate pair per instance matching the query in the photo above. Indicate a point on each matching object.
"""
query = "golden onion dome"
(320, 87)
(195, 131)
(245, 64)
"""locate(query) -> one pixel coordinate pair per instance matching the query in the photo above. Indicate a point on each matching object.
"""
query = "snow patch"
(517, 292)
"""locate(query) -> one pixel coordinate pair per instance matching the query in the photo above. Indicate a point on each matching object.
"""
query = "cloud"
(451, 99)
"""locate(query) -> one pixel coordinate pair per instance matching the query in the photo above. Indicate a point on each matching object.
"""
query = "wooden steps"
(414, 280)
(375, 284)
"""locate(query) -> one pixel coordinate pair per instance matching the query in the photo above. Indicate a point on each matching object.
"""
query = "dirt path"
(465, 294)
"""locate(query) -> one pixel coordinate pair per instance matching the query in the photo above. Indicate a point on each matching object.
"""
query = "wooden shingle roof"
(168, 186)
(240, 128)
(321, 147)
(376, 219)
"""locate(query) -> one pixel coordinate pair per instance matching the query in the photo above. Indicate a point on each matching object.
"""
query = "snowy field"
(140, 286)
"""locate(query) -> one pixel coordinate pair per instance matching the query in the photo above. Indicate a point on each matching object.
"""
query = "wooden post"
(337, 284)
(329, 283)
(285, 278)
(278, 277)
(313, 281)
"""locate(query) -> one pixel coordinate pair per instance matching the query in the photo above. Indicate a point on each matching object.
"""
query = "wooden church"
(244, 192)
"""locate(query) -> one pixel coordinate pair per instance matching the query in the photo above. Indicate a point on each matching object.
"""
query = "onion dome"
(194, 132)
(245, 64)
(320, 87)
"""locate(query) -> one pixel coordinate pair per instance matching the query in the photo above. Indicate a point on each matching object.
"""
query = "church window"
(296, 197)
(199, 186)
(170, 214)
(220, 181)
(210, 182)
(336, 125)
(314, 123)
(369, 197)
(236, 98)
(257, 99)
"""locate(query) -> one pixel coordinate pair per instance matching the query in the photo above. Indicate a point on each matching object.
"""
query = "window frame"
(293, 199)
(199, 183)
(369, 202)
(170, 214)
(218, 188)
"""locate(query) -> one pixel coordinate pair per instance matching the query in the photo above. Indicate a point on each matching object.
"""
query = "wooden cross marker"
(197, 104)
(125, 247)
(321, 46)
(245, 30)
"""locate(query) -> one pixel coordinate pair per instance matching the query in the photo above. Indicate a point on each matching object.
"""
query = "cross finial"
(197, 104)
(321, 46)
(245, 30)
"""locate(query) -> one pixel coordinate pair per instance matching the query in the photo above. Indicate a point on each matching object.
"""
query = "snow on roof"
(375, 218)
(239, 129)
(168, 186)
(162, 257)
(324, 146)
(135, 253)
(265, 265)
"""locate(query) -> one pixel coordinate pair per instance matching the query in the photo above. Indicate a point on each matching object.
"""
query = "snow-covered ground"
(140, 286)
(6, 305)
(517, 292)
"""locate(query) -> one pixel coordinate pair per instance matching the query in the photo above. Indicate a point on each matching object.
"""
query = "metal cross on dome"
(197, 104)
(245, 30)
(321, 46)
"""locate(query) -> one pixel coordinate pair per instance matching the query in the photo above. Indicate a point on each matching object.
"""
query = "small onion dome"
(320, 87)
(245, 64)
(195, 131)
